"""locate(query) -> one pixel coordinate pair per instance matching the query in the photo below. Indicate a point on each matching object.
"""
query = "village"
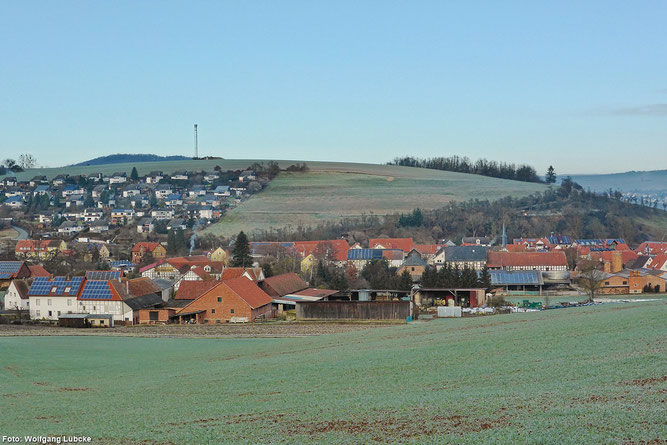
(327, 280)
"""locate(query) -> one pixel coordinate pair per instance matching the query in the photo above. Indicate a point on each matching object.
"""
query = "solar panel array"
(10, 267)
(96, 290)
(364, 254)
(103, 275)
(5, 276)
(504, 277)
(63, 287)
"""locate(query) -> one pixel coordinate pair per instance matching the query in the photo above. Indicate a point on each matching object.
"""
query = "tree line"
(463, 164)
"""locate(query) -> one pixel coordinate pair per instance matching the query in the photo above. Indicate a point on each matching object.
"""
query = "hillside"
(592, 375)
(331, 191)
(123, 158)
(643, 182)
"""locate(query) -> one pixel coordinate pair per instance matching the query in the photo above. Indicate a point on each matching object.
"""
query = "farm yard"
(580, 375)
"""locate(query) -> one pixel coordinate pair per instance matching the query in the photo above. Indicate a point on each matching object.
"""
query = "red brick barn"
(238, 300)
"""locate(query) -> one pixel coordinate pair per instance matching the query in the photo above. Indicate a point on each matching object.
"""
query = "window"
(37, 302)
(69, 302)
(606, 283)
(213, 311)
(58, 313)
(231, 311)
(37, 313)
(625, 282)
(48, 302)
(219, 299)
(50, 313)
(53, 289)
(67, 289)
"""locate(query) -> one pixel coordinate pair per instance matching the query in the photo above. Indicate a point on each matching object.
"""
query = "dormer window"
(53, 289)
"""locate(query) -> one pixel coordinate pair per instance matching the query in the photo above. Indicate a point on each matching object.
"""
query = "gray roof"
(415, 260)
(148, 300)
(465, 253)
(473, 239)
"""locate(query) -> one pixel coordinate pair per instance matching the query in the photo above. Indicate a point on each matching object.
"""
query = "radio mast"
(196, 145)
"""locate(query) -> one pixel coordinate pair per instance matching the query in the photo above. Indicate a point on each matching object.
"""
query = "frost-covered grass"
(581, 375)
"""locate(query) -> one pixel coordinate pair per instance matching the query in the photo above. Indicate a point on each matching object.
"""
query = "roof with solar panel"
(103, 275)
(99, 290)
(11, 269)
(56, 287)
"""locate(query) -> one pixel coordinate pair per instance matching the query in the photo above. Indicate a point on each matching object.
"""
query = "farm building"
(86, 320)
(415, 266)
(238, 300)
(472, 257)
(529, 280)
(545, 261)
(464, 297)
(10, 270)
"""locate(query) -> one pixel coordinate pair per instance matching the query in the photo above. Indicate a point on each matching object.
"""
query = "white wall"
(41, 306)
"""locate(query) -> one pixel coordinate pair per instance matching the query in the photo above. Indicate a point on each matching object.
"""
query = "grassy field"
(8, 234)
(332, 192)
(570, 376)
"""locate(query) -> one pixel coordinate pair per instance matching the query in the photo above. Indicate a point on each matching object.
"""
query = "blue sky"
(580, 85)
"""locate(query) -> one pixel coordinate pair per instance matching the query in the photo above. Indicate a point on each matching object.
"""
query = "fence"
(353, 310)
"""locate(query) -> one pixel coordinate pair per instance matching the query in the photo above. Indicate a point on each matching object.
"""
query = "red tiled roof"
(148, 247)
(405, 244)
(32, 245)
(248, 291)
(191, 290)
(235, 272)
(393, 254)
(655, 247)
(515, 247)
(427, 249)
(608, 255)
(520, 259)
(38, 271)
(279, 285)
(339, 246)
(659, 261)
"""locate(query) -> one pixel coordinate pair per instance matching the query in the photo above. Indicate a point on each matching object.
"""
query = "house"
(404, 244)
(99, 226)
(415, 266)
(252, 273)
(544, 261)
(238, 300)
(180, 176)
(426, 251)
(639, 280)
(50, 297)
(207, 212)
(191, 290)
(211, 177)
(91, 215)
(177, 223)
(196, 273)
(222, 190)
(247, 175)
(41, 190)
(39, 248)
(156, 250)
(174, 200)
(16, 297)
(615, 284)
(472, 257)
(162, 214)
(145, 225)
(197, 190)
(98, 190)
(220, 255)
(37, 180)
(8, 181)
(162, 191)
(154, 177)
(334, 251)
(476, 241)
(120, 216)
(118, 178)
(652, 247)
(69, 227)
(11, 270)
(130, 191)
(14, 202)
(72, 189)
(112, 297)
(360, 257)
(283, 284)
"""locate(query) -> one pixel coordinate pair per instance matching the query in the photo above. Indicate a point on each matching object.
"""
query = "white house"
(17, 296)
(50, 297)
(162, 214)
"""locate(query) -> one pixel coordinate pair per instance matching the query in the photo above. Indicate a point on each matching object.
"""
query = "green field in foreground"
(581, 375)
(348, 190)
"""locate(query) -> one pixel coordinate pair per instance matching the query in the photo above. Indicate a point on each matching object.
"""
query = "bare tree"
(591, 279)
(27, 161)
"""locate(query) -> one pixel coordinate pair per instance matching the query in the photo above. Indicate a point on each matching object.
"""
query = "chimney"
(616, 262)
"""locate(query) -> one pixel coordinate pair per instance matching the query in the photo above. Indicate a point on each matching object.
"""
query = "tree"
(89, 201)
(551, 175)
(241, 252)
(134, 175)
(485, 279)
(27, 161)
(591, 279)
(267, 269)
(404, 281)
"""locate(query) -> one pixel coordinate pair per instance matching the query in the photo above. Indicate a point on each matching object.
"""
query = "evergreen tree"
(134, 175)
(179, 236)
(485, 279)
(241, 252)
(267, 269)
(171, 242)
(89, 201)
(404, 281)
(551, 175)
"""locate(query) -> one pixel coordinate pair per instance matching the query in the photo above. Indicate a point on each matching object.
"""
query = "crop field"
(568, 376)
(335, 192)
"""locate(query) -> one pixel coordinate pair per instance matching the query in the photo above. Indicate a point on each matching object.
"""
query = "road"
(22, 233)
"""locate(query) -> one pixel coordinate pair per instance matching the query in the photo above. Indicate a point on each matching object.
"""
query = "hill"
(332, 191)
(588, 375)
(642, 182)
(122, 158)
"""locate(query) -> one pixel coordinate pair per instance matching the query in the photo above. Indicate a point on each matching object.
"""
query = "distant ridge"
(125, 158)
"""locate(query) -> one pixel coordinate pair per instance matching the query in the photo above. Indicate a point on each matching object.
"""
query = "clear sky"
(581, 85)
